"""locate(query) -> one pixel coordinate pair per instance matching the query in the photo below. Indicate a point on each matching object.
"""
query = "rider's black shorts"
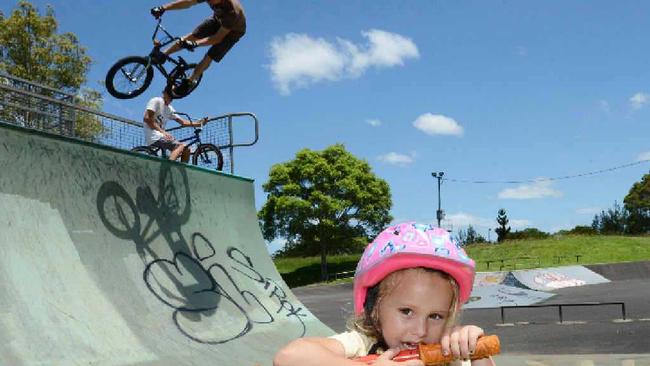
(209, 27)
(166, 144)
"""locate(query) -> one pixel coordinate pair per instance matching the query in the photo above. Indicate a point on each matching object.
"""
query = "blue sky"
(482, 90)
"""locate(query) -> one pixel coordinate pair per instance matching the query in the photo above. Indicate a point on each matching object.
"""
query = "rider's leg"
(201, 67)
(178, 150)
(190, 83)
(185, 157)
(176, 46)
(215, 53)
(208, 27)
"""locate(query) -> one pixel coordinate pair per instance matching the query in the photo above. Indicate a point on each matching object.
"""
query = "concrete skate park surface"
(111, 258)
(593, 335)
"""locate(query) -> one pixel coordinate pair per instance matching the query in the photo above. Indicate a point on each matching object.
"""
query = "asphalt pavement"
(588, 335)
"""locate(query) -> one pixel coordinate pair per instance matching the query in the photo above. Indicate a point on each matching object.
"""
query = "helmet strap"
(371, 299)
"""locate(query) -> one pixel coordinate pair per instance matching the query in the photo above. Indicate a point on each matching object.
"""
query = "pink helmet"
(409, 245)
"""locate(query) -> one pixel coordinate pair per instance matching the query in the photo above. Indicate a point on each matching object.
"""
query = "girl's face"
(415, 310)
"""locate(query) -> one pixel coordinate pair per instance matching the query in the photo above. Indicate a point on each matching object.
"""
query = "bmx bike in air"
(132, 75)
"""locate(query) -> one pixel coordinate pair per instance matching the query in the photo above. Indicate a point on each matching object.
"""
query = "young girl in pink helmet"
(409, 286)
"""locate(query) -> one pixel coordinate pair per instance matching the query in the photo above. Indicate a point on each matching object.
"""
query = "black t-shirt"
(230, 14)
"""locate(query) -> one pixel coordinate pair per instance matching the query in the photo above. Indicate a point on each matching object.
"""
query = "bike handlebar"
(159, 27)
(189, 118)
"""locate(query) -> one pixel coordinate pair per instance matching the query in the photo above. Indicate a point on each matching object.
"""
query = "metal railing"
(515, 261)
(560, 306)
(344, 274)
(36, 106)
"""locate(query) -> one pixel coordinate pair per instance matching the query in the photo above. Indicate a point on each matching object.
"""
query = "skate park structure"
(113, 258)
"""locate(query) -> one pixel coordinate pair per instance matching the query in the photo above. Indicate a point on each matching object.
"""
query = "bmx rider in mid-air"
(220, 31)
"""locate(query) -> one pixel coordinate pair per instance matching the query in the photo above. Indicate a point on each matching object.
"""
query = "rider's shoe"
(184, 87)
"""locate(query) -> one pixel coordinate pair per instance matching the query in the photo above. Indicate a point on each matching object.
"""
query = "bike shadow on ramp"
(187, 280)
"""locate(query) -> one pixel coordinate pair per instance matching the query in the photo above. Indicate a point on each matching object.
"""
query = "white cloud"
(539, 189)
(588, 210)
(384, 50)
(437, 124)
(644, 156)
(397, 159)
(463, 220)
(519, 224)
(298, 60)
(373, 122)
(638, 100)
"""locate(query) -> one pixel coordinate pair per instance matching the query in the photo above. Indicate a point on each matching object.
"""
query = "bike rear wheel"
(208, 156)
(144, 150)
(129, 77)
(176, 77)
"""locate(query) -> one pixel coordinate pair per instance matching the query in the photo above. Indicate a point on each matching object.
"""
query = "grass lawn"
(516, 254)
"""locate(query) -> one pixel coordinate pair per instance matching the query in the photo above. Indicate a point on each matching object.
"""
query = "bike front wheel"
(144, 150)
(129, 77)
(208, 156)
(176, 77)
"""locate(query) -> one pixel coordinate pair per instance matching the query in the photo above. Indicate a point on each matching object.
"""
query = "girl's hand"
(386, 359)
(460, 341)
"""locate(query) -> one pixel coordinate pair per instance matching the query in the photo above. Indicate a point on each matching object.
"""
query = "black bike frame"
(196, 139)
(160, 44)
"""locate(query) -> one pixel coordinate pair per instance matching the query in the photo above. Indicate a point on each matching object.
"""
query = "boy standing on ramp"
(159, 110)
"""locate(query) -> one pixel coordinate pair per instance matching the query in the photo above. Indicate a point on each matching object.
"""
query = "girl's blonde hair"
(368, 323)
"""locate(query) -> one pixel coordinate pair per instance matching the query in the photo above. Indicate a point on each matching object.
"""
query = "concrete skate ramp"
(495, 296)
(495, 289)
(110, 258)
(549, 279)
(483, 279)
(527, 287)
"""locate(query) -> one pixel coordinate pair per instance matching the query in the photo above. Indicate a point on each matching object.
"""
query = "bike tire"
(144, 150)
(121, 85)
(210, 156)
(176, 77)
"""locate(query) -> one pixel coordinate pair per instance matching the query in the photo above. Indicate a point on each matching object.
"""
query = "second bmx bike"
(205, 155)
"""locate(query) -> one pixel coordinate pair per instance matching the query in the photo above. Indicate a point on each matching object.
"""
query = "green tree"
(324, 202)
(528, 233)
(611, 222)
(31, 48)
(503, 230)
(469, 236)
(579, 230)
(637, 204)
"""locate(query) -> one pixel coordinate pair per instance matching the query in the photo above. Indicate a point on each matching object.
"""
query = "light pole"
(439, 213)
(489, 230)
